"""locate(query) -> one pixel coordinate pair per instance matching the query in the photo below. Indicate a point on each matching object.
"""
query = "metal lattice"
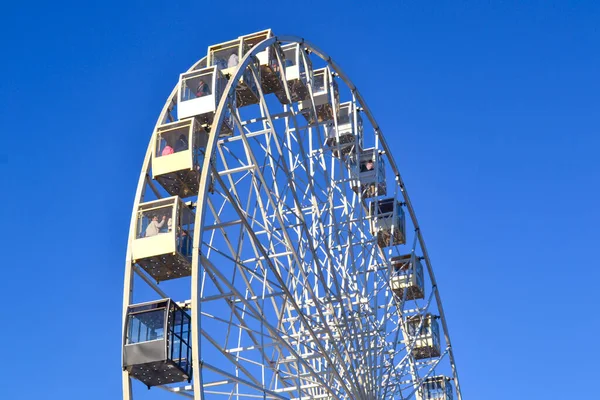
(296, 288)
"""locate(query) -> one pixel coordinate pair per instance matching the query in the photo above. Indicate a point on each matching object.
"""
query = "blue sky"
(492, 110)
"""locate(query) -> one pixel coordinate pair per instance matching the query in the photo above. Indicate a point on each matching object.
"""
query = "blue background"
(492, 112)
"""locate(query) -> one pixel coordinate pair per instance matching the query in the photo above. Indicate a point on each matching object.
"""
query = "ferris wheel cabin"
(326, 97)
(178, 155)
(297, 70)
(407, 276)
(227, 56)
(164, 235)
(388, 222)
(199, 94)
(426, 340)
(156, 348)
(368, 174)
(349, 133)
(270, 76)
(437, 388)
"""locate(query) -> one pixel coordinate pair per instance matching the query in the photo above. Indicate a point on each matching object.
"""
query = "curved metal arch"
(203, 192)
(139, 193)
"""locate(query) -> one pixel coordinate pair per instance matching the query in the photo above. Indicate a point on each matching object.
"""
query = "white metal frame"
(283, 244)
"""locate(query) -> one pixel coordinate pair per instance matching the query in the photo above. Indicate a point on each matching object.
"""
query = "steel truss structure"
(290, 293)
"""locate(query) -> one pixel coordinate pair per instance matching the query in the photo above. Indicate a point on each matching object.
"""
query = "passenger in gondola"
(167, 150)
(181, 144)
(154, 226)
(233, 61)
(202, 89)
(275, 67)
(184, 244)
(368, 166)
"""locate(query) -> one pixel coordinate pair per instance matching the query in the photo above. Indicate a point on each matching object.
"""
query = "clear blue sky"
(493, 112)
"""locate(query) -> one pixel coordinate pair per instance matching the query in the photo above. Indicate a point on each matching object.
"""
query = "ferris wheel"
(273, 250)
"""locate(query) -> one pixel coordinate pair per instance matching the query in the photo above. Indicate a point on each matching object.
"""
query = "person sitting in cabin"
(167, 150)
(368, 166)
(181, 144)
(154, 226)
(233, 61)
(220, 62)
(275, 66)
(202, 89)
(184, 245)
(330, 130)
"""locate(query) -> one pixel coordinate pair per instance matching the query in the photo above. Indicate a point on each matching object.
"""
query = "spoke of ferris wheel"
(257, 314)
(258, 345)
(236, 379)
(258, 258)
(330, 191)
(302, 152)
(297, 258)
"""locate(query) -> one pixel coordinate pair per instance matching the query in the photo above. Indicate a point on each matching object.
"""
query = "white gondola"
(297, 73)
(407, 275)
(326, 97)
(349, 134)
(270, 72)
(425, 342)
(368, 174)
(437, 388)
(387, 222)
(178, 156)
(227, 56)
(199, 94)
(163, 238)
(156, 348)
